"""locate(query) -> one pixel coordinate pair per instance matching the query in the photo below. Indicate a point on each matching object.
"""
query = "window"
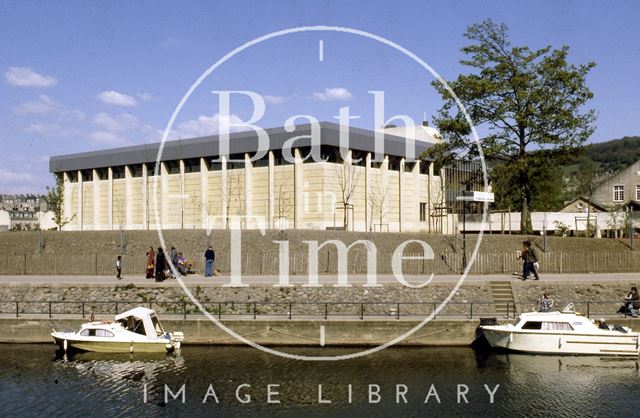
(96, 333)
(173, 167)
(192, 165)
(532, 325)
(637, 191)
(423, 211)
(103, 173)
(618, 193)
(87, 175)
(135, 170)
(73, 177)
(557, 326)
(118, 172)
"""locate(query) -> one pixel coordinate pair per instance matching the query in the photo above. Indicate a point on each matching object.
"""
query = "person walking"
(529, 261)
(545, 303)
(160, 265)
(209, 259)
(119, 267)
(151, 261)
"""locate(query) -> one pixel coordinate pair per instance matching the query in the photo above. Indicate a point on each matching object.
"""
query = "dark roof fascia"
(239, 142)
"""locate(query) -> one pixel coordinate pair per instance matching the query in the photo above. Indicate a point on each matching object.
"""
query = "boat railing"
(229, 309)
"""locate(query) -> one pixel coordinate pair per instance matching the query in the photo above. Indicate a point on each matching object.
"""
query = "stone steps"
(502, 296)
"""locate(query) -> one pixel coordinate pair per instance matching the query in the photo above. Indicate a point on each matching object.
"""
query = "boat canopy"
(141, 320)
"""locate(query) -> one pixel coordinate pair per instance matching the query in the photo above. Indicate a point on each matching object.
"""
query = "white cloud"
(26, 77)
(276, 100)
(122, 122)
(20, 181)
(205, 125)
(108, 138)
(42, 106)
(146, 97)
(334, 93)
(114, 98)
(48, 117)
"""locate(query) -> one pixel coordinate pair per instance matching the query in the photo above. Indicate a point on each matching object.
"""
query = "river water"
(35, 381)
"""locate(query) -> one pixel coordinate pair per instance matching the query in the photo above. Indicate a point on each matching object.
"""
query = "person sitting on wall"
(545, 303)
(181, 265)
(631, 303)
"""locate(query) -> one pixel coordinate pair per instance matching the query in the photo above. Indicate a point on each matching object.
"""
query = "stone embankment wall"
(94, 252)
(472, 299)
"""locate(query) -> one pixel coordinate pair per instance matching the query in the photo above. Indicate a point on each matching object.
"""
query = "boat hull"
(113, 346)
(556, 342)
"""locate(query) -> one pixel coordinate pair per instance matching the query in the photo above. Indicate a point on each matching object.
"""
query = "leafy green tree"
(55, 201)
(520, 100)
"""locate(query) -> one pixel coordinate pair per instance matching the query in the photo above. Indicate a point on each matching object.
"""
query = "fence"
(268, 263)
(298, 310)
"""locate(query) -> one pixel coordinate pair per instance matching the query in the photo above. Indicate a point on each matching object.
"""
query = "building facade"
(23, 210)
(621, 188)
(189, 185)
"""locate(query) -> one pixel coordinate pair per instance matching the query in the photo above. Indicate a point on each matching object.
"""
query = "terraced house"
(296, 183)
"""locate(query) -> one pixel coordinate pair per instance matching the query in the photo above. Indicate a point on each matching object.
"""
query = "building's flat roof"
(239, 142)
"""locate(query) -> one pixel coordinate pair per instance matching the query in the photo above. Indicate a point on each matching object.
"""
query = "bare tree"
(379, 201)
(119, 210)
(234, 194)
(347, 180)
(283, 202)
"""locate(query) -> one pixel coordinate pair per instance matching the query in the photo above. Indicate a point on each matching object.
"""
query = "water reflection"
(114, 384)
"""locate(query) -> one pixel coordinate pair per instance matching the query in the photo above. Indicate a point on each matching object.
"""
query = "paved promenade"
(328, 280)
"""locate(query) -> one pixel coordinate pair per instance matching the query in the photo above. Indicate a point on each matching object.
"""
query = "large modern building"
(356, 187)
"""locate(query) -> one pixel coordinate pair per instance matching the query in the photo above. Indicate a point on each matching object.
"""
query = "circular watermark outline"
(254, 42)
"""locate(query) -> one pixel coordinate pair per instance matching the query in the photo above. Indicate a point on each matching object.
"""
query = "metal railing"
(291, 310)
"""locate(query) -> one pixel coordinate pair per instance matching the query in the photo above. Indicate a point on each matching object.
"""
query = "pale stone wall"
(304, 195)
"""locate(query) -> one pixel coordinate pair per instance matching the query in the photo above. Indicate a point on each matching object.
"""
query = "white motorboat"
(565, 332)
(136, 330)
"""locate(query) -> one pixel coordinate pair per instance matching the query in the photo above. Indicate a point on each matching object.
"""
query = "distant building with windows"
(197, 188)
(621, 189)
(23, 210)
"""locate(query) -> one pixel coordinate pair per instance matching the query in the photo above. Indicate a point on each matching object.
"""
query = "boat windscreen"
(157, 326)
(133, 324)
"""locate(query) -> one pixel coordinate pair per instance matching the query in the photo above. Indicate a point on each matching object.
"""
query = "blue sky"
(80, 76)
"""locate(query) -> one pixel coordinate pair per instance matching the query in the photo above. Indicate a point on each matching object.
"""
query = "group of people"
(158, 264)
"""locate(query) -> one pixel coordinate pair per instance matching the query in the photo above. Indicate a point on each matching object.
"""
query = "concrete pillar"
(110, 197)
(401, 205)
(430, 196)
(272, 189)
(80, 201)
(368, 211)
(415, 172)
(163, 195)
(145, 197)
(223, 190)
(68, 192)
(248, 190)
(128, 197)
(182, 196)
(297, 190)
(204, 194)
(384, 179)
(96, 200)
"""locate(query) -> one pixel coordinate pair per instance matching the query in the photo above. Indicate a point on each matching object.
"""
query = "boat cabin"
(142, 321)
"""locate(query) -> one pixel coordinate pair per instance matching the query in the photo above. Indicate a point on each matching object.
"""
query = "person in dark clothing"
(631, 303)
(209, 259)
(119, 267)
(173, 256)
(161, 261)
(529, 258)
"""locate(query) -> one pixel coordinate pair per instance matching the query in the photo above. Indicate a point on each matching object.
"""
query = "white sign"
(476, 197)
